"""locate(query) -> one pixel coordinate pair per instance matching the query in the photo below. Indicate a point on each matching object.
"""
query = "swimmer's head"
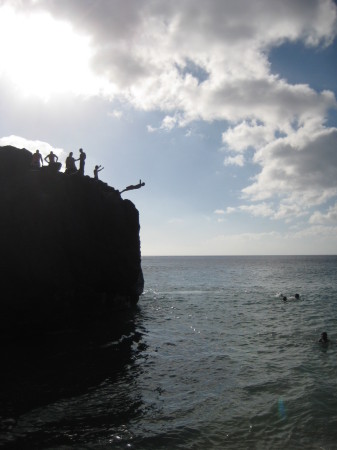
(284, 298)
(297, 296)
(324, 336)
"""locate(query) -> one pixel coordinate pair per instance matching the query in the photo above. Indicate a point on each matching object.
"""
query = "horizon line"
(263, 255)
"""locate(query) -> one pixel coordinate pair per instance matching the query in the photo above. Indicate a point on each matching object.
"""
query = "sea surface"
(212, 358)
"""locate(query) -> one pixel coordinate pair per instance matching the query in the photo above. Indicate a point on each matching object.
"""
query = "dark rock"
(70, 248)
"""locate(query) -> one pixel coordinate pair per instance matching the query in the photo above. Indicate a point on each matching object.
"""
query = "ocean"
(212, 358)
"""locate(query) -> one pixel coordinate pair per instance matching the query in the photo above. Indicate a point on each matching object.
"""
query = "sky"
(225, 109)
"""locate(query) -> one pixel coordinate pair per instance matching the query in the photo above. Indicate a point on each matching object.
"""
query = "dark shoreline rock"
(70, 248)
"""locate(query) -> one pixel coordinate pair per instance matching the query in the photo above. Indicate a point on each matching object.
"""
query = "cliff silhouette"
(70, 248)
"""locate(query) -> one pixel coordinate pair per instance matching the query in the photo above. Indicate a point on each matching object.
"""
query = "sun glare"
(44, 57)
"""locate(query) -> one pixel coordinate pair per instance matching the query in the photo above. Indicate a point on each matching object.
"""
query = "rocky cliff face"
(70, 248)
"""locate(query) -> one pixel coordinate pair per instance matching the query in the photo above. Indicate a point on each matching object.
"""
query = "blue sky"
(228, 113)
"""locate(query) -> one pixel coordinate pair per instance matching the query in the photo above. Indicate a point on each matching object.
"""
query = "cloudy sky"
(225, 108)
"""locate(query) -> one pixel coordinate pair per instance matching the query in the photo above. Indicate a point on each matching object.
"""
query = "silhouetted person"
(36, 160)
(96, 170)
(133, 186)
(51, 158)
(70, 164)
(284, 298)
(52, 161)
(297, 297)
(324, 338)
(81, 159)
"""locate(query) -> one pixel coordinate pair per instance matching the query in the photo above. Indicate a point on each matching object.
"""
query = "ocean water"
(212, 358)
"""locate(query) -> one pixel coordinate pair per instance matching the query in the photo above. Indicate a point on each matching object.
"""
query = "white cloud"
(301, 167)
(261, 209)
(168, 123)
(219, 211)
(329, 217)
(240, 137)
(318, 232)
(116, 114)
(31, 145)
(298, 173)
(151, 53)
(151, 129)
(230, 210)
(309, 240)
(258, 209)
(237, 160)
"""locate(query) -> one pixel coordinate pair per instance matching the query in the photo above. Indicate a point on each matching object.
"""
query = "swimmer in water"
(324, 338)
(294, 297)
(284, 298)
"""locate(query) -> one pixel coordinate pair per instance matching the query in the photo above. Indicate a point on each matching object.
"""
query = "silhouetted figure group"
(71, 168)
(53, 163)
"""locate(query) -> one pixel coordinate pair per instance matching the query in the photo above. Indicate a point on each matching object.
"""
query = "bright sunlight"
(43, 57)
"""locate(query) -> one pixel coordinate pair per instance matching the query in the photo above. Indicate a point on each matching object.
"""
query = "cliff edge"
(70, 248)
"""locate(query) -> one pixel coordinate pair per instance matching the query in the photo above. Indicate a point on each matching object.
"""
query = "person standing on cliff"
(70, 164)
(96, 170)
(81, 159)
(36, 160)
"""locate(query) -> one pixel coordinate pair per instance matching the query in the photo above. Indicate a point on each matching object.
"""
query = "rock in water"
(70, 248)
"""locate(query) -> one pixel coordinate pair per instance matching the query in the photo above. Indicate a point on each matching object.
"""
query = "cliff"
(70, 248)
